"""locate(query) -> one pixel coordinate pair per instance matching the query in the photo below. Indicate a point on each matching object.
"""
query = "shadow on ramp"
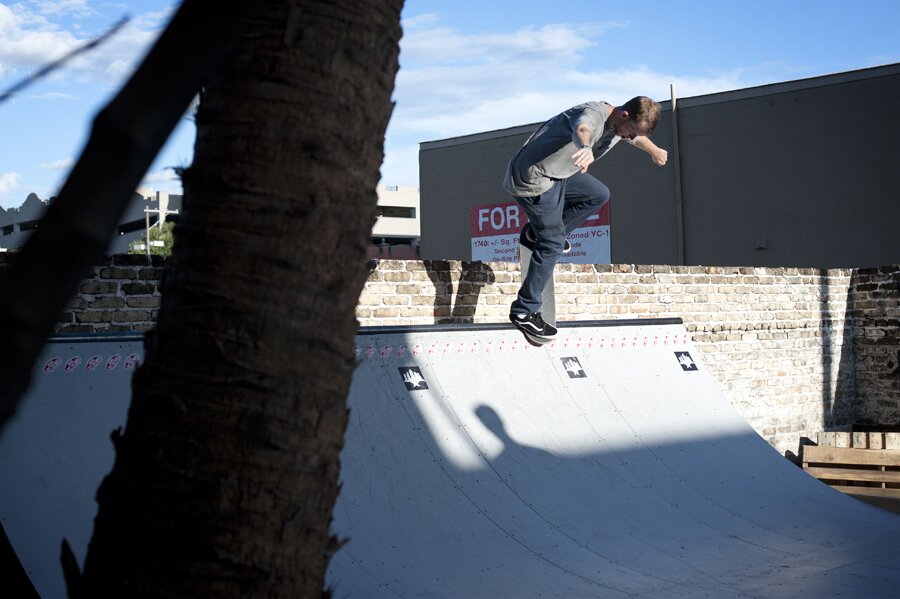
(606, 464)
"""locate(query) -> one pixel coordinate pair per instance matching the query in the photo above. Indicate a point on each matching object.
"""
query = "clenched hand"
(583, 158)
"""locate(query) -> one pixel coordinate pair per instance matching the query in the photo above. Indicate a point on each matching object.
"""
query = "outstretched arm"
(657, 154)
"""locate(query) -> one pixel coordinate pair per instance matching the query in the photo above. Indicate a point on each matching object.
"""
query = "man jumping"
(548, 178)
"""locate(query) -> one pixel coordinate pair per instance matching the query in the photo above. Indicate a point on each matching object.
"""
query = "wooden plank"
(870, 491)
(874, 476)
(892, 441)
(876, 440)
(842, 439)
(838, 455)
(860, 440)
(825, 439)
(882, 498)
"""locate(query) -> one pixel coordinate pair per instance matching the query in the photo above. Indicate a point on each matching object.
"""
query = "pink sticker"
(113, 361)
(51, 364)
(93, 362)
(72, 363)
(131, 361)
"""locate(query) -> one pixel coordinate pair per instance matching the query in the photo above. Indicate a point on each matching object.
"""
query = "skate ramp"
(57, 450)
(607, 464)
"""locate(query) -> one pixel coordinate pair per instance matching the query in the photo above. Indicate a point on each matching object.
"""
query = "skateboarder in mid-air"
(548, 178)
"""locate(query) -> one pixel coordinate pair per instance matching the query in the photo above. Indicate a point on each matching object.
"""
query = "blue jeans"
(553, 215)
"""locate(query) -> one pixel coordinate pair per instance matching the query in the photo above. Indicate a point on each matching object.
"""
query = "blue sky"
(465, 67)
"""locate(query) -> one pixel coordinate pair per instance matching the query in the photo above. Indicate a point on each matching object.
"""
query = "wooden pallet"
(863, 465)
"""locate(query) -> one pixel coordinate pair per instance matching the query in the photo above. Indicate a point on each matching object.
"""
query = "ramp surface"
(606, 464)
(56, 451)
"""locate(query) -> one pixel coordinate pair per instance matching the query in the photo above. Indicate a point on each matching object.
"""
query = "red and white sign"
(496, 227)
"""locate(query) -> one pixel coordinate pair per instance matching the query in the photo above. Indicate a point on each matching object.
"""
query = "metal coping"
(390, 330)
(494, 326)
(95, 337)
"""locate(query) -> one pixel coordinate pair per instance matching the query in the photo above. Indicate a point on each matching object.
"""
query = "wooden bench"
(864, 465)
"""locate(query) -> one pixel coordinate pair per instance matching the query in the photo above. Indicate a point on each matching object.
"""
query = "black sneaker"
(528, 239)
(533, 324)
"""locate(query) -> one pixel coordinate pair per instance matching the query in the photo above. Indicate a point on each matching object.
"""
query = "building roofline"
(746, 93)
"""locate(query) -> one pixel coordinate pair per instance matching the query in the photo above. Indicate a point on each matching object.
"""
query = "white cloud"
(58, 165)
(419, 22)
(53, 96)
(451, 83)
(160, 176)
(537, 44)
(164, 180)
(153, 20)
(75, 8)
(31, 48)
(31, 38)
(8, 182)
(401, 163)
(9, 19)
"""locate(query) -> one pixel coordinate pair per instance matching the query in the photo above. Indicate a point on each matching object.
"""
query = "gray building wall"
(802, 173)
(16, 224)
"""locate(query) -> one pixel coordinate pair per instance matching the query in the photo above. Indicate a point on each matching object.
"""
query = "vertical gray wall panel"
(809, 169)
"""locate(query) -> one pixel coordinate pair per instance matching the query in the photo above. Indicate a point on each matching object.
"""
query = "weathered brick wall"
(873, 304)
(796, 351)
(122, 295)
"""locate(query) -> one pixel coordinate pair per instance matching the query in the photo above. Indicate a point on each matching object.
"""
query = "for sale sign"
(496, 227)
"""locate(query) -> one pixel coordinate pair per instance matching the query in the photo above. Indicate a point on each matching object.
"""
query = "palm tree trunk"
(227, 472)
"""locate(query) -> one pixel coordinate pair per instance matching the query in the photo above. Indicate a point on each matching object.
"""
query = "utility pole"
(162, 214)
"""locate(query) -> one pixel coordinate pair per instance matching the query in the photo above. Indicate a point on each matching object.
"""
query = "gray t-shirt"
(547, 155)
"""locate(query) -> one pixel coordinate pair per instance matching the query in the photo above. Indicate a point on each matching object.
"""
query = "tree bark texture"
(227, 472)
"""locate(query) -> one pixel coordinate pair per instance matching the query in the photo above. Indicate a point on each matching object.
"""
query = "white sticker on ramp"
(573, 368)
(684, 359)
(413, 379)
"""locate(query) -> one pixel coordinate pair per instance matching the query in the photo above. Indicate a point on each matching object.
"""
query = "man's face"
(629, 129)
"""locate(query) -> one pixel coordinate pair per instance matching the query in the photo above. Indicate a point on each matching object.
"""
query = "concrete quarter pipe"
(606, 464)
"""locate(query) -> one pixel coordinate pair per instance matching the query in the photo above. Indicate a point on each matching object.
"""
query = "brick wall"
(121, 295)
(873, 305)
(796, 351)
